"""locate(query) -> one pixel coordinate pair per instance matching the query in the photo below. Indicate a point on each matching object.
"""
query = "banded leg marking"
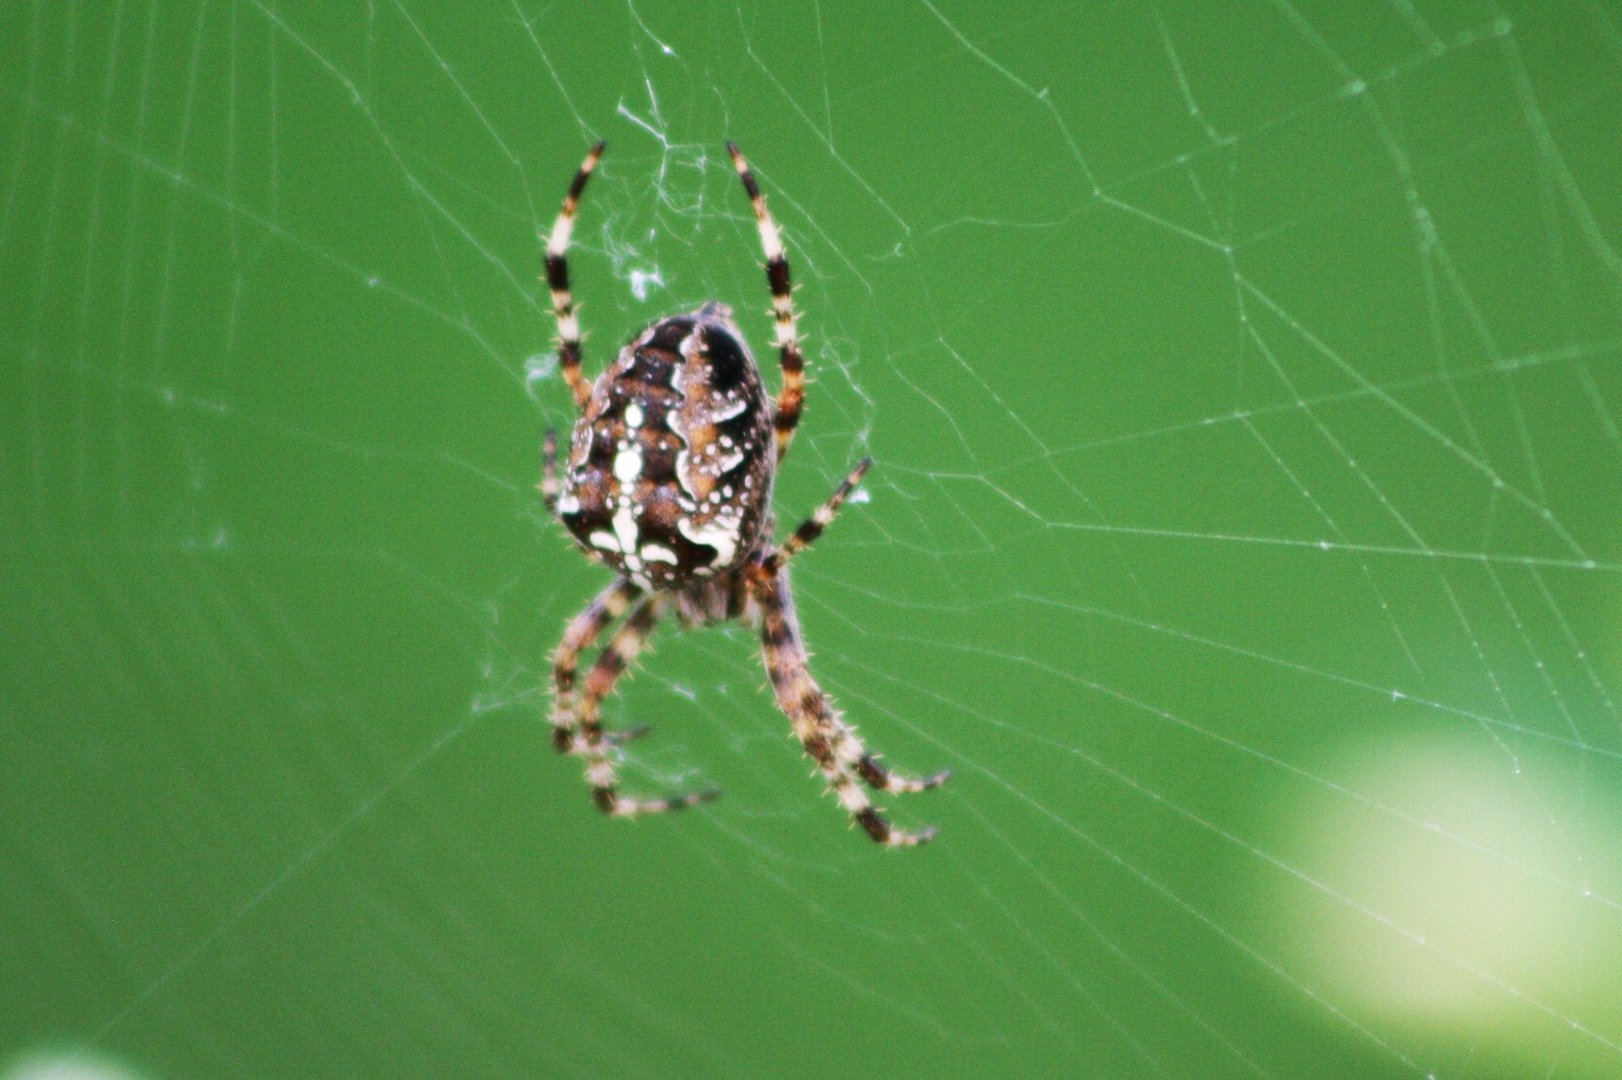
(791, 398)
(881, 779)
(557, 279)
(821, 518)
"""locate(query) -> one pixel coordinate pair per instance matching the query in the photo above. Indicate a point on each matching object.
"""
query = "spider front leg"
(791, 398)
(620, 652)
(557, 280)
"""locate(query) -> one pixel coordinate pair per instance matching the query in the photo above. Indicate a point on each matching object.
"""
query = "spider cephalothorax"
(669, 481)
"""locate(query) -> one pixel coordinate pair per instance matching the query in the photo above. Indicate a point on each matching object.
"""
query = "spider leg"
(867, 765)
(791, 398)
(582, 630)
(821, 518)
(881, 779)
(557, 279)
(620, 652)
(827, 739)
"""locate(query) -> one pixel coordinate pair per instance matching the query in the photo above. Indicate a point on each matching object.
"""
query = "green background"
(1243, 385)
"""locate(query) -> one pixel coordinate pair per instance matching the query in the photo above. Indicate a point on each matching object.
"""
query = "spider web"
(1242, 381)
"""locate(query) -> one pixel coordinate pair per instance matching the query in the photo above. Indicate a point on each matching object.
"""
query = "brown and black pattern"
(726, 419)
(702, 442)
(669, 481)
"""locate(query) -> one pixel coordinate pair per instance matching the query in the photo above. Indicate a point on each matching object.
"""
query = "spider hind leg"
(881, 779)
(580, 634)
(828, 740)
(596, 745)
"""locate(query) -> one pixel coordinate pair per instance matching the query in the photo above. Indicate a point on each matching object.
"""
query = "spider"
(669, 482)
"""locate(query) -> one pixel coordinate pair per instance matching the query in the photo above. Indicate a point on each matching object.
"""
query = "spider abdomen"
(671, 467)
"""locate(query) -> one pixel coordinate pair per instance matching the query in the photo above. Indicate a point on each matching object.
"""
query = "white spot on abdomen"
(625, 529)
(658, 553)
(628, 464)
(684, 463)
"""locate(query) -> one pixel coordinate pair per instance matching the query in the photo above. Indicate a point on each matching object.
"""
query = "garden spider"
(669, 482)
